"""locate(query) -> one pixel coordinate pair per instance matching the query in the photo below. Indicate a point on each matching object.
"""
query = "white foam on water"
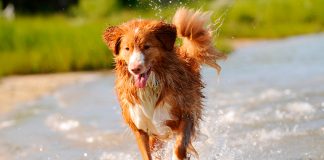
(269, 135)
(59, 123)
(117, 156)
(295, 111)
(271, 94)
(300, 108)
(6, 124)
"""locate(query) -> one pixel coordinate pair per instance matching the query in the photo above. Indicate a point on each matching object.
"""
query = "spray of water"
(218, 21)
(215, 27)
(158, 7)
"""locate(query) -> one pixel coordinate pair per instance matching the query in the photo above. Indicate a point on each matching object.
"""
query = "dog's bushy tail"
(197, 39)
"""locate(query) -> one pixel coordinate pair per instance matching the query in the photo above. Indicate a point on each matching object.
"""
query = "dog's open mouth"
(141, 79)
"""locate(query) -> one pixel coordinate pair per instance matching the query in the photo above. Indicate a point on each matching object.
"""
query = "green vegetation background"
(72, 41)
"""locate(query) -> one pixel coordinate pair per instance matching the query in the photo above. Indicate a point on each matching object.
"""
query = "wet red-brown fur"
(177, 69)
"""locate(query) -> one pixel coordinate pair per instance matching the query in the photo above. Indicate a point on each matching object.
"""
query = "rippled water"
(268, 103)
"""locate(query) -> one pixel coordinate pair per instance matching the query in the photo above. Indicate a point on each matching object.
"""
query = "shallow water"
(268, 103)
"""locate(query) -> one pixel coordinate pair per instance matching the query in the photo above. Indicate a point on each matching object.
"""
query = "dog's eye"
(146, 47)
(127, 49)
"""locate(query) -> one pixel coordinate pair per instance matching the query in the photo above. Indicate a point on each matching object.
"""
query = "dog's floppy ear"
(112, 37)
(166, 34)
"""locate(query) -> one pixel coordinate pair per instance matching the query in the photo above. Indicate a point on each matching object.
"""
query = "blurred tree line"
(48, 6)
(33, 6)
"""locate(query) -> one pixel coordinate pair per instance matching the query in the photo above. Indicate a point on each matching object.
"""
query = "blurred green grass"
(72, 41)
(55, 44)
(273, 18)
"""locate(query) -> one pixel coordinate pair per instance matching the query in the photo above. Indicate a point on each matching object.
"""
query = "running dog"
(158, 83)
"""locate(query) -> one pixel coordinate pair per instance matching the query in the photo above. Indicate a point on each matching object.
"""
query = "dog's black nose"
(137, 69)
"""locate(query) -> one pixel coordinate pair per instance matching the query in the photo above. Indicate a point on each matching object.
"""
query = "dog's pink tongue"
(140, 80)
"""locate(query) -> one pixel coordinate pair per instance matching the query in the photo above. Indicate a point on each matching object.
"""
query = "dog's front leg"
(142, 139)
(183, 139)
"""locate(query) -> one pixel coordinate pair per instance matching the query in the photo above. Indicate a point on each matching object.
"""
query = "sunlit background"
(56, 82)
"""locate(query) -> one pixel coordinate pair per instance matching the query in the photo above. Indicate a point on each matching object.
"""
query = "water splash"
(160, 7)
(217, 24)
(157, 7)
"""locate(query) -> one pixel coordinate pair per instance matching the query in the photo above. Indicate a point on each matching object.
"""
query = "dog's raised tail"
(197, 39)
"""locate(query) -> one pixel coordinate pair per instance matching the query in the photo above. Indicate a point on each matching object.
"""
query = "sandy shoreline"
(15, 90)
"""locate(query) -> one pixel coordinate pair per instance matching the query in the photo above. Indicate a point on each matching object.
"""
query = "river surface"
(267, 103)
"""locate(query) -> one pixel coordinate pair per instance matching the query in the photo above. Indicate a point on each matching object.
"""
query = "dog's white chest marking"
(146, 116)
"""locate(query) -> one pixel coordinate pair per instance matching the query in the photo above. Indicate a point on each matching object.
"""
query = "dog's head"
(140, 44)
